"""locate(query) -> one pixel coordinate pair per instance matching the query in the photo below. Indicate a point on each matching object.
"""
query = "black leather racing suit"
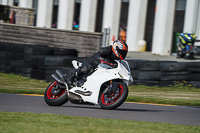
(104, 55)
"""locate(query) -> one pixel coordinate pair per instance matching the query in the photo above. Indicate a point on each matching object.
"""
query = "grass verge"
(177, 95)
(11, 122)
(16, 84)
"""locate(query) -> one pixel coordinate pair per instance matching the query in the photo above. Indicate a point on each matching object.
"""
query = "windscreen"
(125, 64)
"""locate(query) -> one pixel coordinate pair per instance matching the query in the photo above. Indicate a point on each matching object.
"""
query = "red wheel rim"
(50, 94)
(109, 102)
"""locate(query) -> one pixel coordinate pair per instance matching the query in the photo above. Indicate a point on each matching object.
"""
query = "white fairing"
(103, 74)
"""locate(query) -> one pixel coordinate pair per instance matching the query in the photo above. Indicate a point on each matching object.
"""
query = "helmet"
(188, 37)
(120, 49)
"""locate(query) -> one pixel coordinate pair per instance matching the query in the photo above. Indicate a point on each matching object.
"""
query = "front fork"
(112, 87)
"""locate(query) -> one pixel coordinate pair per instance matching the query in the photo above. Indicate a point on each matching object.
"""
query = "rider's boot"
(82, 81)
(70, 78)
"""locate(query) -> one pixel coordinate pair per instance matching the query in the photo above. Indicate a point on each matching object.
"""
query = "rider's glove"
(109, 63)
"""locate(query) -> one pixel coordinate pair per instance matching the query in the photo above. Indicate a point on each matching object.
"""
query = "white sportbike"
(106, 86)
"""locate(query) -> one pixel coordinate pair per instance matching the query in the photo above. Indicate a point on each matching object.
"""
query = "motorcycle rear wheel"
(189, 55)
(53, 99)
(105, 103)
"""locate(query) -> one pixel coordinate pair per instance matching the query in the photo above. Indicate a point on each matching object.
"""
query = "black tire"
(175, 76)
(2, 66)
(133, 63)
(17, 62)
(10, 69)
(194, 64)
(119, 99)
(134, 74)
(67, 70)
(175, 73)
(194, 69)
(17, 48)
(43, 62)
(16, 56)
(27, 64)
(69, 52)
(173, 67)
(51, 69)
(2, 46)
(149, 75)
(2, 61)
(48, 78)
(195, 76)
(4, 54)
(38, 74)
(51, 99)
(53, 61)
(149, 66)
(38, 50)
(148, 83)
(34, 62)
(25, 70)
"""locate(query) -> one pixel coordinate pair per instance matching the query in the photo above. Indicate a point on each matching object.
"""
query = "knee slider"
(82, 70)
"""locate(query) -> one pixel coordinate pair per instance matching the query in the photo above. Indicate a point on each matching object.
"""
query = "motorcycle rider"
(186, 40)
(117, 51)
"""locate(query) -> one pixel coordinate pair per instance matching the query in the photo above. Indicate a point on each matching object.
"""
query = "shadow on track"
(117, 109)
(141, 110)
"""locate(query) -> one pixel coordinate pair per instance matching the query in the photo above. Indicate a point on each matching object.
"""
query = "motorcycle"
(187, 53)
(106, 86)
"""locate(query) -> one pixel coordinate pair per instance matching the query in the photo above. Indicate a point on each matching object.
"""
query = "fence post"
(106, 37)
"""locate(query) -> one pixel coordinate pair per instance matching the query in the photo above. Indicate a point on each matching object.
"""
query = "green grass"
(12, 83)
(11, 122)
(176, 95)
(29, 122)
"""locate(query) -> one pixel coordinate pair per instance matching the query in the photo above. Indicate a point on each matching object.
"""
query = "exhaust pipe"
(59, 76)
(60, 73)
(54, 76)
(60, 79)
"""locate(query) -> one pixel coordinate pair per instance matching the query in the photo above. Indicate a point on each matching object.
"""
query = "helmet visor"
(122, 53)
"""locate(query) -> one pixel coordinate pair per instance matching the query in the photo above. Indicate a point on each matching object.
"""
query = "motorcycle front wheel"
(115, 99)
(53, 96)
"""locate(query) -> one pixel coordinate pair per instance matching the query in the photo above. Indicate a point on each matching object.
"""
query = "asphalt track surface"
(128, 111)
